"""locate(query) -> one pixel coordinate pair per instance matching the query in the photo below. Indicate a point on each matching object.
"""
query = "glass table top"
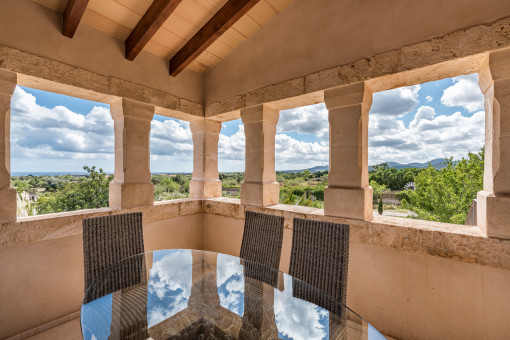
(194, 294)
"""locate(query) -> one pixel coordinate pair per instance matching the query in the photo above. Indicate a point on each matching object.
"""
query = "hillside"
(437, 163)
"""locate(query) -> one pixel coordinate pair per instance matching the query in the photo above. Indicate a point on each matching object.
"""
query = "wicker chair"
(106, 241)
(319, 257)
(262, 244)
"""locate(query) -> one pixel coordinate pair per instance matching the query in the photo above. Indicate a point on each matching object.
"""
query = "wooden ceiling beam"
(227, 16)
(150, 23)
(72, 16)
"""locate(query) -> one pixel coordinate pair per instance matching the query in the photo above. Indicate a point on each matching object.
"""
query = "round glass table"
(194, 294)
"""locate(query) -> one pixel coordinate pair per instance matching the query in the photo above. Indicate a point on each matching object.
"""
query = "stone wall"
(411, 279)
(42, 260)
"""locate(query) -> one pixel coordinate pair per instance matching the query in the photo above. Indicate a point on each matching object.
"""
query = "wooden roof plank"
(150, 23)
(228, 15)
(72, 16)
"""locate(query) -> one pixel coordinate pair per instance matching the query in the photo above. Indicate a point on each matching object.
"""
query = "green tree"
(89, 192)
(380, 207)
(378, 190)
(445, 195)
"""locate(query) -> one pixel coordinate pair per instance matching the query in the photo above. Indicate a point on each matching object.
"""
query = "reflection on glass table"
(193, 294)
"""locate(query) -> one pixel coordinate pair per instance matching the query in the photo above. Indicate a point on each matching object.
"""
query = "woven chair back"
(320, 257)
(262, 244)
(108, 240)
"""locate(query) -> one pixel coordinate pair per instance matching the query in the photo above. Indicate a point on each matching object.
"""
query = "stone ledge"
(461, 243)
(442, 57)
(52, 226)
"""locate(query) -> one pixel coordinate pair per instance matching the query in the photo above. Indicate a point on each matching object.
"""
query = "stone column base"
(493, 214)
(260, 194)
(349, 202)
(131, 195)
(8, 198)
(204, 189)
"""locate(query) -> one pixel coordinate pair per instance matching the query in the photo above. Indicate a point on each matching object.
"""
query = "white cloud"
(296, 318)
(39, 132)
(429, 98)
(396, 102)
(171, 138)
(465, 92)
(424, 112)
(292, 151)
(428, 136)
(311, 119)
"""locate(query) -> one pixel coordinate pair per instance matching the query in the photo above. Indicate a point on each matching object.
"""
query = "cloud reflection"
(170, 281)
(230, 282)
(298, 319)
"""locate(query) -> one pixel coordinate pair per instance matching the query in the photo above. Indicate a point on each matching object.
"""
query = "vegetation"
(392, 178)
(88, 192)
(437, 195)
(380, 207)
(445, 195)
(169, 187)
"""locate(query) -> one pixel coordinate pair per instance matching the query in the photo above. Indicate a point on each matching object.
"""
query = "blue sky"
(52, 132)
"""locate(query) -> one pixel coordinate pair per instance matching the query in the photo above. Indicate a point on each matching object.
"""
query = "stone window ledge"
(457, 242)
(52, 226)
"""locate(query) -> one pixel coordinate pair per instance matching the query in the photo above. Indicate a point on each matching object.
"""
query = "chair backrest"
(262, 239)
(108, 240)
(320, 256)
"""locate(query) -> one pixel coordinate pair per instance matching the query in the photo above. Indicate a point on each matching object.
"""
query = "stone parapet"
(456, 242)
(28, 230)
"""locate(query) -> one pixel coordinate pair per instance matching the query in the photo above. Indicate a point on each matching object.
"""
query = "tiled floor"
(69, 331)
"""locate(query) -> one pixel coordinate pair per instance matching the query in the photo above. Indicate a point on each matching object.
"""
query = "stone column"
(205, 182)
(493, 213)
(348, 194)
(131, 186)
(260, 187)
(8, 82)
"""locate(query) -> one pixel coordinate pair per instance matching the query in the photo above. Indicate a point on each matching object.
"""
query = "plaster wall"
(35, 29)
(309, 36)
(43, 281)
(403, 294)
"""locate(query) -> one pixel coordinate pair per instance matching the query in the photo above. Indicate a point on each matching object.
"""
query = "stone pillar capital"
(205, 125)
(8, 82)
(348, 95)
(260, 113)
(127, 108)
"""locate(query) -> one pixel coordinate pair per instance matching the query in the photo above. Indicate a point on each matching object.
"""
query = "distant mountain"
(438, 164)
